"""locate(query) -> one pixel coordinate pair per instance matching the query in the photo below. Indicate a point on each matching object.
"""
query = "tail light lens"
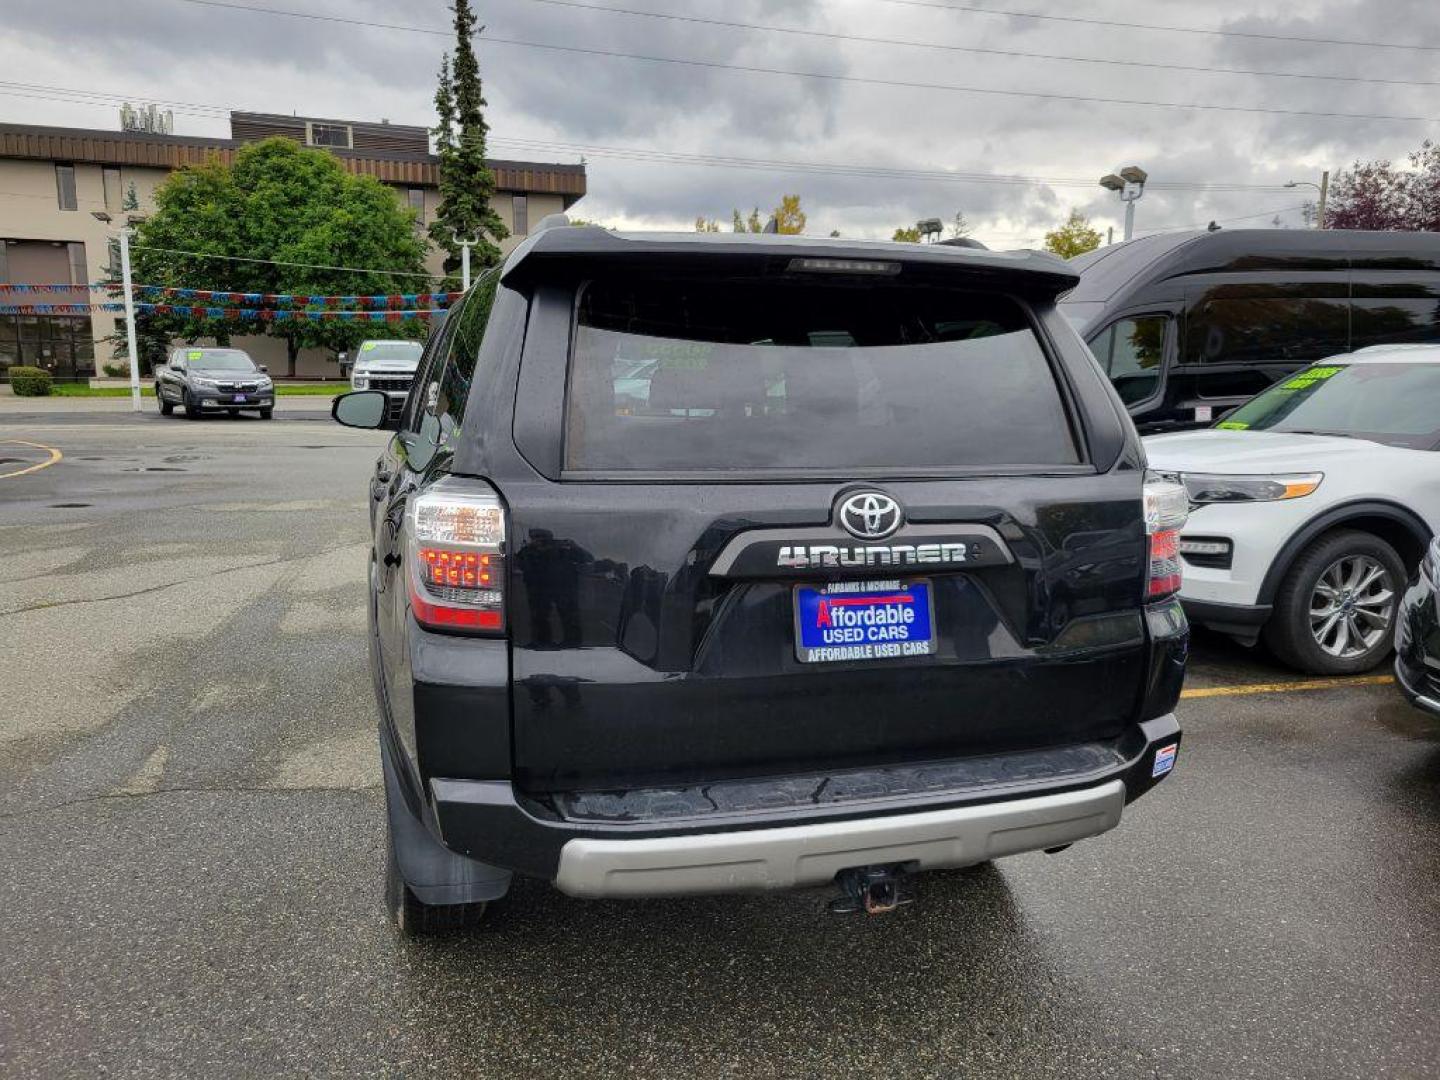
(456, 561)
(1166, 508)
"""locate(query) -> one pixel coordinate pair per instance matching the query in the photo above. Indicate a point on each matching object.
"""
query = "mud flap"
(435, 874)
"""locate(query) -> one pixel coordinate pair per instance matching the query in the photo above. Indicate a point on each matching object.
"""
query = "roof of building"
(136, 148)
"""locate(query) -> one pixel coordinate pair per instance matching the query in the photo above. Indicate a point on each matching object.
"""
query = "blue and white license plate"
(863, 620)
(239, 397)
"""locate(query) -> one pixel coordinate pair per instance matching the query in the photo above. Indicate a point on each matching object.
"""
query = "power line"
(947, 47)
(1206, 31)
(281, 262)
(644, 155)
(830, 36)
(870, 81)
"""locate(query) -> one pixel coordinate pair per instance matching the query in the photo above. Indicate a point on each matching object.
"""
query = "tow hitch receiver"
(871, 889)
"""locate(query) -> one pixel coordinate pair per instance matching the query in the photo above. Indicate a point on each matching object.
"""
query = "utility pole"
(129, 318)
(1324, 197)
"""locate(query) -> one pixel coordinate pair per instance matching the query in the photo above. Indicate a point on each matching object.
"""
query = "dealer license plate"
(863, 620)
(239, 397)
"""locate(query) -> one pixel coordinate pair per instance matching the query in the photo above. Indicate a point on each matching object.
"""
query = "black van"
(714, 563)
(1191, 324)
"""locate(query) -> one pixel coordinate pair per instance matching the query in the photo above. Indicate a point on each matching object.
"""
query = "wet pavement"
(192, 842)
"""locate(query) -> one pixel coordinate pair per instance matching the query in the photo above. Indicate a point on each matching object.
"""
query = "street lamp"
(1323, 188)
(1129, 184)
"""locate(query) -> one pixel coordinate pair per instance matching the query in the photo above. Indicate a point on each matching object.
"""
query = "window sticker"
(195, 354)
(367, 346)
(1232, 425)
(1309, 378)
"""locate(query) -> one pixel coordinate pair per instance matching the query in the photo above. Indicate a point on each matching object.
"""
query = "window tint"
(65, 186)
(1384, 322)
(1131, 352)
(1391, 403)
(443, 398)
(710, 374)
(1268, 330)
(79, 275)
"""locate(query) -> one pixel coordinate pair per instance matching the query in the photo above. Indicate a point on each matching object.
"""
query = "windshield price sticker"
(1309, 378)
(194, 354)
(367, 346)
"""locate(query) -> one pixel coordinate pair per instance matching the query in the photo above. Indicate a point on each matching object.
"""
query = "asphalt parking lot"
(192, 843)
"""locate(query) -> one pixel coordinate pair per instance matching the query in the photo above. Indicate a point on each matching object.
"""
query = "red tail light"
(455, 549)
(1167, 507)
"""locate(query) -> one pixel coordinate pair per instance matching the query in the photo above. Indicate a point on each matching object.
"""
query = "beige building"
(55, 183)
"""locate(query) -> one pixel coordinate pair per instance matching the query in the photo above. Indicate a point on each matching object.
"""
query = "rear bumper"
(491, 822)
(813, 854)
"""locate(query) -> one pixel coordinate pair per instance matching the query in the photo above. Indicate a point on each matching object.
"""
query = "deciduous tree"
(277, 205)
(1377, 195)
(1075, 237)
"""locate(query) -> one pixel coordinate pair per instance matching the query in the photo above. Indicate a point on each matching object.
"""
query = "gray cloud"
(175, 50)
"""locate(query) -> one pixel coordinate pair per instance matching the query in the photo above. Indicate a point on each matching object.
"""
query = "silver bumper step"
(802, 855)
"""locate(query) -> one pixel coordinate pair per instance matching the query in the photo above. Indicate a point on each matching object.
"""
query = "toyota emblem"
(869, 515)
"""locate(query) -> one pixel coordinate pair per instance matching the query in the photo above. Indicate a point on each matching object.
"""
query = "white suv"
(1312, 505)
(389, 366)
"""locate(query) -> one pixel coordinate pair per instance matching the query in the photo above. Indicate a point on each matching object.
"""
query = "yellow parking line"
(1286, 687)
(55, 456)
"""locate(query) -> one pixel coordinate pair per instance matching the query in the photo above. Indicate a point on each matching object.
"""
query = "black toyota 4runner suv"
(708, 563)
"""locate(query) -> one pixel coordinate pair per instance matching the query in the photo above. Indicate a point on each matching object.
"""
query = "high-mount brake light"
(456, 555)
(843, 266)
(1167, 507)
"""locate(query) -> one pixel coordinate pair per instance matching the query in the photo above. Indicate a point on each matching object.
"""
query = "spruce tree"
(466, 182)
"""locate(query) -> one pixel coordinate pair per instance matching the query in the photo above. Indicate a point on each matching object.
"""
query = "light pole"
(1323, 188)
(129, 299)
(465, 245)
(1129, 184)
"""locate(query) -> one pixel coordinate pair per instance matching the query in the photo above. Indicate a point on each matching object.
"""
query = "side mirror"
(361, 409)
(264, 370)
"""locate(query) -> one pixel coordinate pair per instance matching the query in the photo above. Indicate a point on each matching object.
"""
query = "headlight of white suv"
(1206, 488)
(211, 383)
(359, 382)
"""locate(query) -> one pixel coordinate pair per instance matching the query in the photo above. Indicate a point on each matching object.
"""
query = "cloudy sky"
(887, 124)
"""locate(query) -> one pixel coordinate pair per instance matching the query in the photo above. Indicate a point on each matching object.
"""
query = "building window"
(336, 135)
(78, 274)
(4, 264)
(113, 194)
(416, 198)
(519, 215)
(65, 186)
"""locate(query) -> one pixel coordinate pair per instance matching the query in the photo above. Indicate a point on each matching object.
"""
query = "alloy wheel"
(1351, 606)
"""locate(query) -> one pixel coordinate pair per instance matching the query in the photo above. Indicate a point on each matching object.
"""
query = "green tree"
(907, 236)
(1075, 237)
(466, 183)
(704, 224)
(281, 204)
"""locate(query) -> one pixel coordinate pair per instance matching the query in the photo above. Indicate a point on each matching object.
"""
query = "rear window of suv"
(725, 375)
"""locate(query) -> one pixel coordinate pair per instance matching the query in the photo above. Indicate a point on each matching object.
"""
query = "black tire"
(166, 408)
(1291, 633)
(265, 414)
(192, 411)
(414, 919)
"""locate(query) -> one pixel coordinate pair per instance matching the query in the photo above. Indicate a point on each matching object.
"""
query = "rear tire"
(414, 919)
(1336, 607)
(166, 408)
